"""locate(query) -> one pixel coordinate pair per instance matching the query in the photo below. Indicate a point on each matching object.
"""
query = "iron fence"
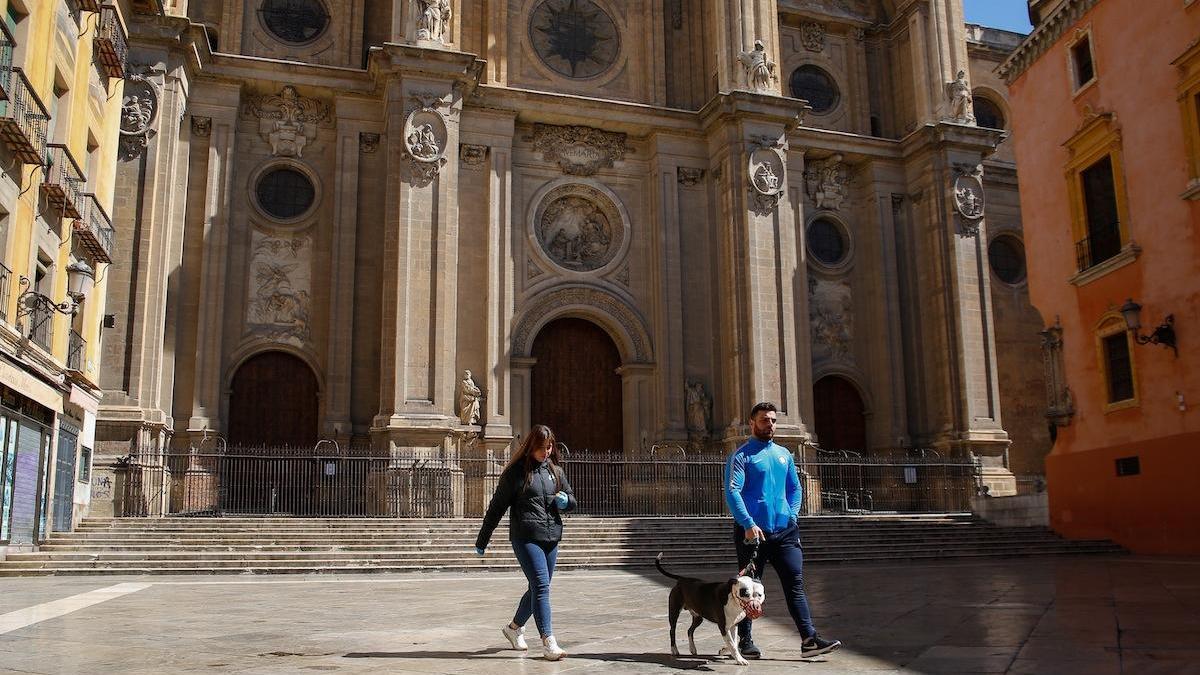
(664, 481)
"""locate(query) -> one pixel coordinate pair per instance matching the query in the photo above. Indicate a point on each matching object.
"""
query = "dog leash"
(751, 570)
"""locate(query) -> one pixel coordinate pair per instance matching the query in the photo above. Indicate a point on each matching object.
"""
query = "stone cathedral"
(629, 220)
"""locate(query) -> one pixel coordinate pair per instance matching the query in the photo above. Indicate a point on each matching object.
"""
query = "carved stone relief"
(766, 174)
(578, 227)
(279, 288)
(969, 198)
(426, 135)
(760, 69)
(826, 181)
(201, 126)
(473, 156)
(632, 325)
(287, 120)
(831, 319)
(1060, 406)
(812, 36)
(139, 111)
(689, 177)
(368, 142)
(622, 275)
(578, 150)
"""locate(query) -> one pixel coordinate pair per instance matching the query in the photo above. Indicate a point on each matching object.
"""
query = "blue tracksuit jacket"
(761, 486)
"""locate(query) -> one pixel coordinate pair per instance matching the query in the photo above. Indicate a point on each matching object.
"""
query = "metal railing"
(1030, 484)
(63, 182)
(893, 482)
(94, 229)
(1103, 243)
(41, 324)
(361, 482)
(7, 47)
(5, 280)
(112, 49)
(76, 352)
(23, 118)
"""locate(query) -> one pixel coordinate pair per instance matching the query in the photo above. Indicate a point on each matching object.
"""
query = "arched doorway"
(273, 402)
(841, 422)
(574, 386)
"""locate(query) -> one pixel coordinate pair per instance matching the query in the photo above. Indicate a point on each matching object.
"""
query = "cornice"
(1043, 38)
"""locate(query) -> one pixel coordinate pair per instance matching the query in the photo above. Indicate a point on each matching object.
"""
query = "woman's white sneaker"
(516, 637)
(551, 648)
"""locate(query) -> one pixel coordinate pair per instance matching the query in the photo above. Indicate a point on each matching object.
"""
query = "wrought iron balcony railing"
(40, 322)
(63, 181)
(94, 229)
(5, 285)
(7, 45)
(23, 118)
(1103, 243)
(76, 352)
(112, 49)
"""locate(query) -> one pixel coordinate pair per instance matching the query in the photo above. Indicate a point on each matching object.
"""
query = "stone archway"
(840, 414)
(273, 402)
(575, 388)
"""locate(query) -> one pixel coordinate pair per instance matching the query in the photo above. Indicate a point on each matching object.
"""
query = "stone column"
(667, 299)
(219, 104)
(637, 405)
(522, 377)
(758, 262)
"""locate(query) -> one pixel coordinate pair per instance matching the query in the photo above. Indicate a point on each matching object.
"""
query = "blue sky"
(1006, 14)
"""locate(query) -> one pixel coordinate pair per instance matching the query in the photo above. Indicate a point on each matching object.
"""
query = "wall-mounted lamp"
(1164, 333)
(79, 279)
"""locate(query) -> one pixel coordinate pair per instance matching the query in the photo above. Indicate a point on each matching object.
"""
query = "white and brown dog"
(724, 603)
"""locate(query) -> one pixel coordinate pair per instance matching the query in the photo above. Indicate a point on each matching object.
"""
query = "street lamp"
(1164, 333)
(79, 278)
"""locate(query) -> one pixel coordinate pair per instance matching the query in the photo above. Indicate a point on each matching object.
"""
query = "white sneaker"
(516, 637)
(551, 649)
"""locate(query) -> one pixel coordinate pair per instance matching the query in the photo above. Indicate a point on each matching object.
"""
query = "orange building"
(1104, 97)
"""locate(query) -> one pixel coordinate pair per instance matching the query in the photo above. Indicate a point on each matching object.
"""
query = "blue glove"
(478, 551)
(561, 499)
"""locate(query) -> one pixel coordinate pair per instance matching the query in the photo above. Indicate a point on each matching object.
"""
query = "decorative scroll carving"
(578, 150)
(287, 120)
(280, 283)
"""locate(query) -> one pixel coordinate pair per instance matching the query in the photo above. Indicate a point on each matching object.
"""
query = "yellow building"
(62, 64)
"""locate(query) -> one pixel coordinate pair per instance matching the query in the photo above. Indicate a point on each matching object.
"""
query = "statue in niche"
(961, 107)
(469, 398)
(699, 407)
(433, 20)
(760, 70)
(423, 143)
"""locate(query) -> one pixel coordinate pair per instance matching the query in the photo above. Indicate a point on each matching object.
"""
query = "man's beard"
(764, 435)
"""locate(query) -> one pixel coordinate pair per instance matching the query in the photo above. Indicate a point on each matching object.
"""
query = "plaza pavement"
(1060, 615)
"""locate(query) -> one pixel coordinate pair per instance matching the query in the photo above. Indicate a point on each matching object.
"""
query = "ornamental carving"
(473, 156)
(1060, 404)
(968, 197)
(766, 173)
(280, 288)
(632, 325)
(578, 227)
(139, 112)
(831, 319)
(201, 126)
(368, 142)
(574, 38)
(287, 120)
(812, 36)
(689, 177)
(426, 135)
(826, 182)
(578, 150)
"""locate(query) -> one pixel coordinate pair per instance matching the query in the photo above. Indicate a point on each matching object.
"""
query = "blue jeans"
(537, 562)
(782, 550)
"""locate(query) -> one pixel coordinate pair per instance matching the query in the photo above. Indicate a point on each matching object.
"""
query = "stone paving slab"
(1059, 615)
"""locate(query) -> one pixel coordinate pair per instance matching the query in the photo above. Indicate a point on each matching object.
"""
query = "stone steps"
(335, 546)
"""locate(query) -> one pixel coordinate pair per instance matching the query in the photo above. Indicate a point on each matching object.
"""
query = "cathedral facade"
(628, 220)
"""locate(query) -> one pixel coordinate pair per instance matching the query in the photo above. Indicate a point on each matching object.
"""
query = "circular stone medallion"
(425, 135)
(578, 227)
(574, 38)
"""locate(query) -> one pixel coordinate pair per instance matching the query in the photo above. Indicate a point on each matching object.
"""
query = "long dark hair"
(537, 438)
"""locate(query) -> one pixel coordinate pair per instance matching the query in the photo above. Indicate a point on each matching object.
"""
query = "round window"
(826, 242)
(285, 193)
(575, 38)
(295, 21)
(816, 86)
(1007, 258)
(987, 114)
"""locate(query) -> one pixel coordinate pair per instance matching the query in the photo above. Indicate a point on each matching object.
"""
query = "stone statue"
(961, 108)
(827, 183)
(698, 408)
(433, 20)
(423, 143)
(468, 399)
(760, 70)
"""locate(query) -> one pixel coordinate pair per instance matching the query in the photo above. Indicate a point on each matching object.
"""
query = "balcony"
(23, 118)
(94, 229)
(1103, 242)
(41, 320)
(89, 5)
(7, 45)
(5, 282)
(76, 352)
(63, 181)
(112, 50)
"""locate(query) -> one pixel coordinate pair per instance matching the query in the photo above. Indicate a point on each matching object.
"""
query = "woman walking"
(536, 490)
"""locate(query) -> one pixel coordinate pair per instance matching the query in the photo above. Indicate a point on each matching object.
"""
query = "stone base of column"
(999, 481)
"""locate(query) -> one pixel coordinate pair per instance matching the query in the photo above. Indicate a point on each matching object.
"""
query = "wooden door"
(575, 388)
(841, 420)
(273, 403)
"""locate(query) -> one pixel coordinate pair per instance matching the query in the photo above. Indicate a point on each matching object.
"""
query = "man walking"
(764, 496)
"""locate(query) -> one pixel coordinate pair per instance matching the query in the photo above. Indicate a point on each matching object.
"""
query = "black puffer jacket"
(534, 515)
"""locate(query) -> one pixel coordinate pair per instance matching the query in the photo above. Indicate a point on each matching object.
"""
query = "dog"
(724, 603)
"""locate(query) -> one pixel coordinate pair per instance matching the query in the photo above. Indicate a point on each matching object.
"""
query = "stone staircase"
(264, 545)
